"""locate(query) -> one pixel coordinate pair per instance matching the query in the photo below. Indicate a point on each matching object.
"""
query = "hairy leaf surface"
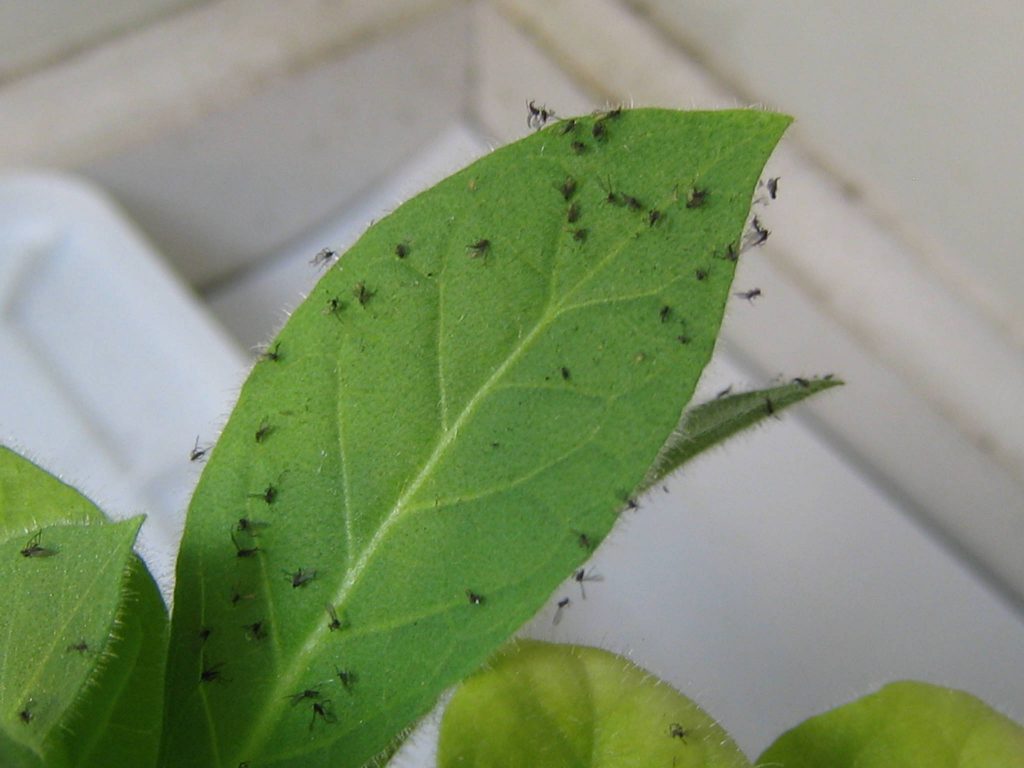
(538, 705)
(72, 689)
(706, 425)
(446, 427)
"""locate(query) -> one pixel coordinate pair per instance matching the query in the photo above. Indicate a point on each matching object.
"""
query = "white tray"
(111, 368)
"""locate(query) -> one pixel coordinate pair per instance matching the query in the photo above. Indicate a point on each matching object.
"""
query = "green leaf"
(903, 725)
(83, 630)
(50, 604)
(538, 705)
(711, 423)
(446, 426)
(119, 717)
(31, 498)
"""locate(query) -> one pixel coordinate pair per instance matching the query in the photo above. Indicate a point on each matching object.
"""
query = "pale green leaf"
(904, 725)
(538, 705)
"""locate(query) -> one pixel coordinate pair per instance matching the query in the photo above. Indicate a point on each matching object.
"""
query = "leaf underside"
(709, 424)
(446, 427)
(538, 705)
(73, 597)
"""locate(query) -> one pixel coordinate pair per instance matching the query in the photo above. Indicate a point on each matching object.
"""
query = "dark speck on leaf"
(479, 248)
(362, 293)
(696, 197)
(211, 673)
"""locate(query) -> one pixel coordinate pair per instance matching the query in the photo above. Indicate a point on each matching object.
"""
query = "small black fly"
(35, 549)
(537, 117)
(562, 605)
(335, 622)
(242, 550)
(273, 354)
(363, 294)
(211, 673)
(301, 577)
(346, 677)
(696, 197)
(249, 526)
(324, 257)
(582, 575)
(197, 453)
(479, 248)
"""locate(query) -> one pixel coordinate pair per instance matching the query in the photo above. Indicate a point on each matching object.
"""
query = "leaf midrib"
(263, 725)
(288, 680)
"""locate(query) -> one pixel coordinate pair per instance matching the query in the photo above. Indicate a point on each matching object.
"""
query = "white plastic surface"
(110, 366)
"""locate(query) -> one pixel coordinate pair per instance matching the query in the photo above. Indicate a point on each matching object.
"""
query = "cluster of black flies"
(245, 533)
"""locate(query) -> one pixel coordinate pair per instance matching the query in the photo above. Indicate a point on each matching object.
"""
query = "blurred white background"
(218, 145)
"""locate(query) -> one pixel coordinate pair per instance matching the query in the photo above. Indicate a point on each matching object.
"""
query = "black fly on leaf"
(308, 694)
(268, 494)
(584, 541)
(696, 197)
(249, 526)
(346, 677)
(322, 710)
(301, 577)
(335, 622)
(35, 549)
(479, 248)
(211, 673)
(363, 294)
(256, 631)
(241, 550)
(273, 354)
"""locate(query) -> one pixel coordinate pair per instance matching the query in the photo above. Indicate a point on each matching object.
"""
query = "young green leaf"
(711, 423)
(84, 630)
(445, 427)
(903, 725)
(537, 705)
(31, 498)
(62, 587)
(118, 718)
